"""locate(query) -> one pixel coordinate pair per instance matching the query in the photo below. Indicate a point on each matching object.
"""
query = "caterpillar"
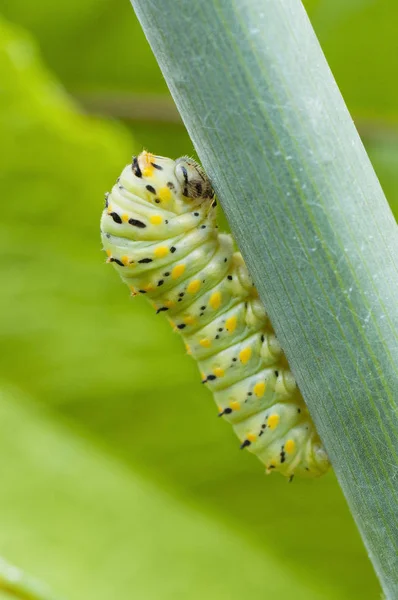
(159, 230)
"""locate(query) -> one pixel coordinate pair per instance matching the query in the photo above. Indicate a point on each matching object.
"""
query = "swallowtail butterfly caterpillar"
(159, 230)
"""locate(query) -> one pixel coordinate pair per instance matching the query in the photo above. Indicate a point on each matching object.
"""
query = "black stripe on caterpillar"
(159, 230)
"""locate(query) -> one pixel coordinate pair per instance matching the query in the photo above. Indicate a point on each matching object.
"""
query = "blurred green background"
(117, 479)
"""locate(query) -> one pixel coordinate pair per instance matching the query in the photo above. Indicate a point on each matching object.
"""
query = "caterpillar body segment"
(159, 230)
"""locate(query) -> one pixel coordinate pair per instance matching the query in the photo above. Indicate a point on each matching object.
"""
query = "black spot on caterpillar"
(117, 261)
(137, 223)
(209, 297)
(135, 167)
(116, 217)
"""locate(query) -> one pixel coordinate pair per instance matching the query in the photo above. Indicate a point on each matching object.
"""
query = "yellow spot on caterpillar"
(169, 303)
(215, 300)
(234, 405)
(193, 286)
(156, 219)
(177, 271)
(148, 169)
(161, 251)
(109, 209)
(203, 376)
(230, 324)
(219, 372)
(252, 437)
(244, 355)
(133, 290)
(290, 446)
(108, 253)
(273, 421)
(205, 343)
(189, 320)
(259, 389)
(188, 349)
(149, 287)
(164, 194)
(172, 323)
(125, 260)
(125, 218)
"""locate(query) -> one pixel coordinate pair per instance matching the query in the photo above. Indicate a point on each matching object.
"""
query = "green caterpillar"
(159, 230)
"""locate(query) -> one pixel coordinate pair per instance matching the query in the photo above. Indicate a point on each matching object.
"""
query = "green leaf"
(96, 529)
(15, 583)
(102, 38)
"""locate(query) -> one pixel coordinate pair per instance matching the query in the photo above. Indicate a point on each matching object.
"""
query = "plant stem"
(272, 130)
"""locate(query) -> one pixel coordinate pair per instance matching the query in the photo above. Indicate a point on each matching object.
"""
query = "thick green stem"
(307, 210)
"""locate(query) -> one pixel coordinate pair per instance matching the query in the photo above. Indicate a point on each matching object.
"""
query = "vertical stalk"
(273, 132)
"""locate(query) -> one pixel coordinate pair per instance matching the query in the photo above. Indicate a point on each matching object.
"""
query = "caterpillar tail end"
(321, 460)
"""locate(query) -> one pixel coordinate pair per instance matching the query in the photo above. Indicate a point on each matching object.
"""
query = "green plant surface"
(98, 45)
(16, 584)
(96, 529)
(309, 215)
(114, 373)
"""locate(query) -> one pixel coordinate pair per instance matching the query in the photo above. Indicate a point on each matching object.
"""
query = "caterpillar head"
(193, 181)
(175, 185)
